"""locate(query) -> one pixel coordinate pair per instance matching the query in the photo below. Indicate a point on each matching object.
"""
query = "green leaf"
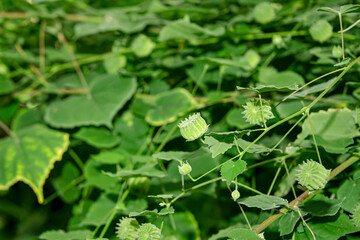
(184, 29)
(264, 13)
(95, 177)
(114, 63)
(168, 106)
(26, 117)
(231, 170)
(265, 202)
(6, 85)
(216, 147)
(30, 155)
(63, 184)
(321, 206)
(270, 77)
(349, 192)
(155, 212)
(321, 31)
(99, 212)
(61, 235)
(243, 234)
(148, 171)
(235, 118)
(142, 46)
(329, 129)
(108, 94)
(255, 148)
(332, 228)
(97, 137)
(288, 221)
(116, 20)
(180, 156)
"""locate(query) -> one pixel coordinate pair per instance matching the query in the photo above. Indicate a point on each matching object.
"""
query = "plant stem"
(342, 37)
(6, 129)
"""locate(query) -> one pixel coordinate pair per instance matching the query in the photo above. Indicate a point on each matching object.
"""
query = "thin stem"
(32, 66)
(42, 45)
(247, 187)
(313, 135)
(6, 129)
(200, 78)
(76, 158)
(297, 208)
(288, 173)
(342, 37)
(76, 65)
(274, 180)
(314, 80)
(246, 219)
(73, 183)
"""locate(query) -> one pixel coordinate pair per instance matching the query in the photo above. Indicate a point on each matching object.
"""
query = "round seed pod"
(257, 112)
(184, 168)
(193, 127)
(127, 229)
(148, 231)
(355, 217)
(235, 195)
(312, 175)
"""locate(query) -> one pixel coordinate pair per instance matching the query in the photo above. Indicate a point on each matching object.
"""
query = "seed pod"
(148, 231)
(193, 127)
(355, 217)
(235, 195)
(256, 112)
(312, 175)
(127, 229)
(184, 168)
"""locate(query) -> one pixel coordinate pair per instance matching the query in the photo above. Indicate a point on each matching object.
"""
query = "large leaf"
(167, 106)
(30, 155)
(108, 93)
(216, 147)
(97, 137)
(330, 129)
(265, 202)
(349, 192)
(322, 206)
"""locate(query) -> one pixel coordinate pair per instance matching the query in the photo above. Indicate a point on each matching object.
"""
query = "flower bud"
(235, 195)
(184, 168)
(193, 127)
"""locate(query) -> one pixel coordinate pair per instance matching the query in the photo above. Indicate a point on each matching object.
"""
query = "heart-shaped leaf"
(30, 155)
(107, 95)
(231, 169)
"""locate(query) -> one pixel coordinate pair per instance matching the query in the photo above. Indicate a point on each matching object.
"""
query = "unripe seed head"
(312, 175)
(355, 217)
(193, 127)
(148, 231)
(127, 229)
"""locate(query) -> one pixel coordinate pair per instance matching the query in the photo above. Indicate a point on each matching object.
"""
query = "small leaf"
(255, 148)
(216, 147)
(288, 221)
(142, 46)
(97, 137)
(6, 85)
(114, 63)
(321, 31)
(30, 155)
(265, 202)
(264, 13)
(180, 156)
(64, 183)
(231, 170)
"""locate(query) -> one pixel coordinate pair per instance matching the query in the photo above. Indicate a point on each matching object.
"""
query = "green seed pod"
(184, 168)
(355, 217)
(337, 52)
(139, 184)
(148, 231)
(312, 175)
(235, 195)
(127, 229)
(256, 113)
(193, 127)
